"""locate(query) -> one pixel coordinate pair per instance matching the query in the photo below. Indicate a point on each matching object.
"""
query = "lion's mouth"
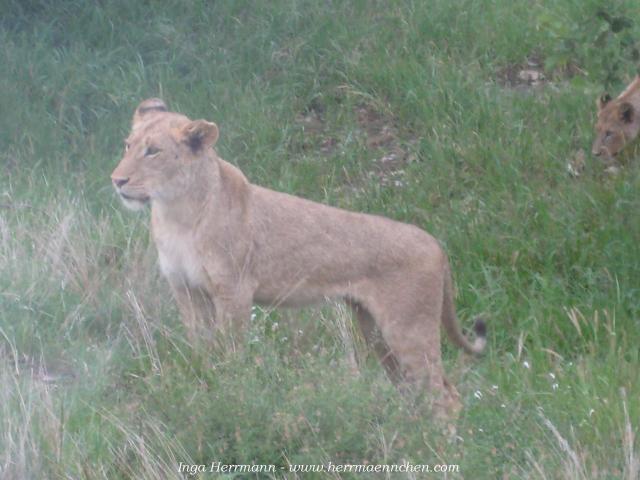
(141, 199)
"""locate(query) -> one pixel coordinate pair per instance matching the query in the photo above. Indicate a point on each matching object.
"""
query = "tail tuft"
(480, 329)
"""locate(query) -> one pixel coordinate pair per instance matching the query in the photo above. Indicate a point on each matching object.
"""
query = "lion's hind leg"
(409, 321)
(374, 339)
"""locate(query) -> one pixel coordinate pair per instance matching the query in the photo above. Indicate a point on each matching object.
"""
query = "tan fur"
(618, 122)
(225, 244)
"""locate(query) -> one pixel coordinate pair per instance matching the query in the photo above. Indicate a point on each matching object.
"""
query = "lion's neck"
(185, 210)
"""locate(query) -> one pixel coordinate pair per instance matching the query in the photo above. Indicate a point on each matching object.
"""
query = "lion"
(618, 122)
(225, 244)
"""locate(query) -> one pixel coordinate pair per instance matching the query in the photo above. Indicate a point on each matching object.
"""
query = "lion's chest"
(178, 258)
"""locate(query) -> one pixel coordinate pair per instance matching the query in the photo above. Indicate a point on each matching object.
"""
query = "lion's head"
(159, 154)
(618, 124)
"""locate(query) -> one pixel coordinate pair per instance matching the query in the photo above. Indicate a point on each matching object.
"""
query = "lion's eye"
(151, 151)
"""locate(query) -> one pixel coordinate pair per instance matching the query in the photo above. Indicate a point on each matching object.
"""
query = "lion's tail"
(450, 322)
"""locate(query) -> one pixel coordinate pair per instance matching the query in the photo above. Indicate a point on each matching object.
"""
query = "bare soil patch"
(378, 131)
(382, 139)
(523, 76)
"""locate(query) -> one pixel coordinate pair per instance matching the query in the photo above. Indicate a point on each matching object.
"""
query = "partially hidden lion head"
(618, 122)
(159, 154)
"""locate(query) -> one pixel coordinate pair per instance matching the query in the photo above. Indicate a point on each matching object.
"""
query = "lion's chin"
(133, 203)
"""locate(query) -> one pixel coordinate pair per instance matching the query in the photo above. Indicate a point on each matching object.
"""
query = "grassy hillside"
(460, 117)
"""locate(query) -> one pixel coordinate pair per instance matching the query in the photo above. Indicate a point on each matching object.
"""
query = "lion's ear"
(148, 106)
(603, 100)
(199, 134)
(626, 112)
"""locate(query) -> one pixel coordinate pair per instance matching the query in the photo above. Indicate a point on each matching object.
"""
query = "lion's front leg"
(232, 314)
(197, 311)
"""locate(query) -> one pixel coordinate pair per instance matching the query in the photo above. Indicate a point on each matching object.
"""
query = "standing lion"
(225, 244)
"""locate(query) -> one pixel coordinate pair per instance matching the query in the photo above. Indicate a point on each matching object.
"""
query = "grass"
(397, 108)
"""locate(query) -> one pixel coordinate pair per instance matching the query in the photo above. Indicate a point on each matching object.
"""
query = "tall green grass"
(98, 378)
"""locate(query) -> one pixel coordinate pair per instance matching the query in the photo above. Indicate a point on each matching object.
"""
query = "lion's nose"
(119, 182)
